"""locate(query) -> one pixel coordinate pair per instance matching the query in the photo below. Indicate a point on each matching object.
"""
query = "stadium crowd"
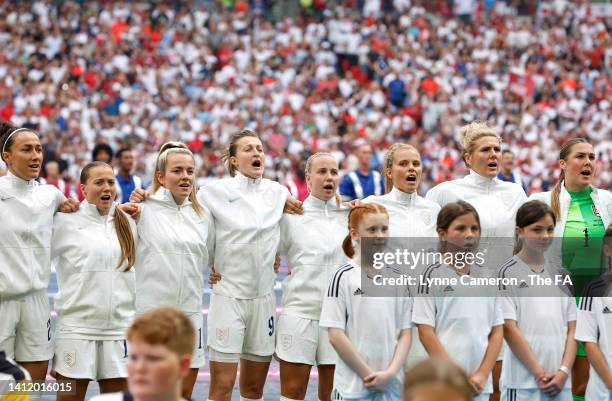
(307, 76)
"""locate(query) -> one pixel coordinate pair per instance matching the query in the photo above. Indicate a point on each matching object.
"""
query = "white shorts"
(90, 359)
(242, 326)
(533, 394)
(198, 357)
(25, 331)
(300, 340)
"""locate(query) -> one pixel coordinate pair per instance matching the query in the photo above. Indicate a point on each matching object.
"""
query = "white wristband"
(565, 369)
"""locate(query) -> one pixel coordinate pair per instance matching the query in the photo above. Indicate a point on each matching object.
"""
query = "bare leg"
(326, 381)
(294, 379)
(78, 394)
(252, 378)
(222, 380)
(118, 385)
(189, 383)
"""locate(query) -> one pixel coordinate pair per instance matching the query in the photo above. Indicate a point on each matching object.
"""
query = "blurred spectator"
(103, 153)
(126, 182)
(53, 177)
(308, 75)
(509, 172)
(363, 181)
(297, 185)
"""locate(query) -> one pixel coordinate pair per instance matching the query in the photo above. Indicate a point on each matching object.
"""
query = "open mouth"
(328, 187)
(105, 197)
(35, 166)
(185, 185)
(585, 173)
(492, 165)
(411, 178)
(256, 163)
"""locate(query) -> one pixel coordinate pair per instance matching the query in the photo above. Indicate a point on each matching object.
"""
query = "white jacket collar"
(19, 183)
(480, 180)
(245, 182)
(164, 196)
(92, 211)
(402, 197)
(312, 202)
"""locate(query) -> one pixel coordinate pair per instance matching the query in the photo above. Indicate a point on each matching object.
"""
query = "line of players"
(111, 267)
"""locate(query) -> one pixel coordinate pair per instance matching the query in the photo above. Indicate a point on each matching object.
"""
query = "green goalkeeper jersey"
(582, 240)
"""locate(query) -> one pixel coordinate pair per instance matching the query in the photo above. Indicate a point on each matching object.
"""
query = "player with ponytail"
(94, 250)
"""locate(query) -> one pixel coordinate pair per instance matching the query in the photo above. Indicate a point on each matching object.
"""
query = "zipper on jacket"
(179, 300)
(110, 269)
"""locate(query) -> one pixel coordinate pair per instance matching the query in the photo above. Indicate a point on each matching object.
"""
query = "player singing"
(174, 237)
(26, 213)
(94, 251)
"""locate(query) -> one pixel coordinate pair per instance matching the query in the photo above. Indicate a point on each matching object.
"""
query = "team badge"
(286, 341)
(69, 358)
(426, 217)
(595, 211)
(222, 335)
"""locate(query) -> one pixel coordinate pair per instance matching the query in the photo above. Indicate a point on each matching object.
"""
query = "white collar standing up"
(19, 184)
(405, 198)
(91, 211)
(480, 180)
(164, 196)
(314, 203)
(247, 183)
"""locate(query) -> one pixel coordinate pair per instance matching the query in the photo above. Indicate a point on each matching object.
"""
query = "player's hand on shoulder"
(131, 209)
(139, 195)
(293, 206)
(69, 205)
(352, 204)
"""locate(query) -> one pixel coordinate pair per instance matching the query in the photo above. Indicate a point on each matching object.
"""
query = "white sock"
(287, 399)
(250, 399)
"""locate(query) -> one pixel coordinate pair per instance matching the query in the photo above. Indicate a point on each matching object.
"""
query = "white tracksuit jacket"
(410, 215)
(95, 296)
(313, 245)
(495, 201)
(172, 254)
(247, 214)
(26, 222)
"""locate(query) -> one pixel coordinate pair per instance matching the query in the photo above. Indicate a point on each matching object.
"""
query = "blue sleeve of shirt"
(382, 185)
(346, 187)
